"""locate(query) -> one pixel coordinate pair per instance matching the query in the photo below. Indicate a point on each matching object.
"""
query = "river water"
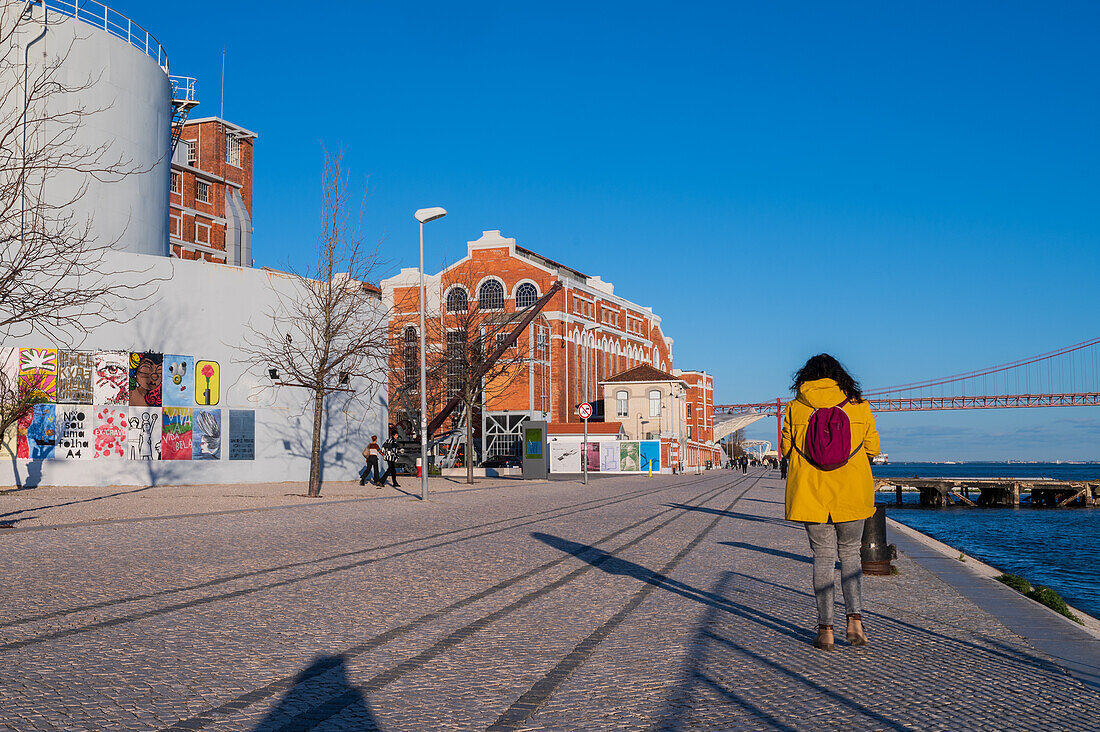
(1053, 547)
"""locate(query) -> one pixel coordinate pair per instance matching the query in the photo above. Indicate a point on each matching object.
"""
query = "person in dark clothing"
(783, 467)
(389, 454)
(744, 464)
(371, 453)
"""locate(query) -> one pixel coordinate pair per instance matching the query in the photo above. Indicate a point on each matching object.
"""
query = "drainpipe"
(26, 100)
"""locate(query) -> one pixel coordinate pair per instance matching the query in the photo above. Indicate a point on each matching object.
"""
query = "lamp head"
(424, 215)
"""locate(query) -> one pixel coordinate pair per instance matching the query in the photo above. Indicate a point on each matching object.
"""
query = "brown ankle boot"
(824, 639)
(855, 633)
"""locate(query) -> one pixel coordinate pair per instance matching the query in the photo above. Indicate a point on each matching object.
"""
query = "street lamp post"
(424, 215)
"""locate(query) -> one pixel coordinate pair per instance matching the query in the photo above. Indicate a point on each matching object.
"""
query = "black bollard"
(875, 552)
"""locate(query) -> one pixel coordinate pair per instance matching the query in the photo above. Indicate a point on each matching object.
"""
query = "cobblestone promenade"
(673, 602)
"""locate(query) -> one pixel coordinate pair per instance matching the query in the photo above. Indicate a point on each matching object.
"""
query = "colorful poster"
(112, 379)
(145, 381)
(207, 375)
(609, 457)
(110, 432)
(629, 457)
(565, 457)
(74, 377)
(38, 373)
(242, 434)
(42, 432)
(592, 453)
(175, 434)
(179, 381)
(74, 432)
(22, 439)
(532, 440)
(143, 433)
(207, 435)
(651, 455)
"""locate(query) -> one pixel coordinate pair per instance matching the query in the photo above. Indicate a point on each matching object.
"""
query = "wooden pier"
(1003, 492)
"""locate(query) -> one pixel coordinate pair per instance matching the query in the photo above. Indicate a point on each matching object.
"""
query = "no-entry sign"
(584, 410)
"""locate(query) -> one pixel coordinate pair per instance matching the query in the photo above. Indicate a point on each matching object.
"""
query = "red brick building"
(585, 334)
(699, 443)
(210, 206)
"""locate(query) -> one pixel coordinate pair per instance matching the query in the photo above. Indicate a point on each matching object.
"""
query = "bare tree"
(473, 321)
(328, 329)
(57, 278)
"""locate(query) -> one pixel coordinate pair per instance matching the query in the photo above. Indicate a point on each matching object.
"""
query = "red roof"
(577, 428)
(641, 373)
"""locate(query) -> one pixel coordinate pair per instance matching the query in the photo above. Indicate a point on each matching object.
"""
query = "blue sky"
(911, 187)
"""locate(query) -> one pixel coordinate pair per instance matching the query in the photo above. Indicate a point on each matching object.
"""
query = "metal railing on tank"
(100, 16)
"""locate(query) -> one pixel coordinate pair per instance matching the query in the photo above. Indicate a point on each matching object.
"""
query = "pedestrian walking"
(371, 453)
(389, 454)
(783, 467)
(744, 464)
(829, 484)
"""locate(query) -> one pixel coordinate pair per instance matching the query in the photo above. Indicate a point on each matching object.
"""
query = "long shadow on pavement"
(327, 676)
(614, 565)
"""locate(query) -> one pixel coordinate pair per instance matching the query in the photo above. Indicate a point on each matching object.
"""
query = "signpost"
(584, 411)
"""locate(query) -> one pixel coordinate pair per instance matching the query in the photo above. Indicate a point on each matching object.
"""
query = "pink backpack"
(828, 437)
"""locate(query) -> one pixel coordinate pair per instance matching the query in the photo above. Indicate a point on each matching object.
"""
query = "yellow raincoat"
(844, 494)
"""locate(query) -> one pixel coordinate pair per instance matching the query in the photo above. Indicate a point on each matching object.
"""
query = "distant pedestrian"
(832, 499)
(389, 454)
(744, 464)
(371, 453)
(783, 467)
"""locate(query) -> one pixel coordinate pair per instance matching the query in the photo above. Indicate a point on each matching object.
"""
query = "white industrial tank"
(117, 73)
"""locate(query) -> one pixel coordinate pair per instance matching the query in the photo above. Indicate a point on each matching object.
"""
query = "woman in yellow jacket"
(832, 504)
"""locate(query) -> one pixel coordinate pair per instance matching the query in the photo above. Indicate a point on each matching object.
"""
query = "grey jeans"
(849, 535)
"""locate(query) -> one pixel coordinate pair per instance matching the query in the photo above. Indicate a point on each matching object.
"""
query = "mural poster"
(38, 373)
(651, 455)
(565, 457)
(22, 439)
(592, 453)
(175, 434)
(74, 432)
(609, 457)
(74, 377)
(143, 433)
(112, 379)
(206, 438)
(629, 457)
(42, 432)
(145, 381)
(179, 381)
(110, 432)
(207, 375)
(242, 434)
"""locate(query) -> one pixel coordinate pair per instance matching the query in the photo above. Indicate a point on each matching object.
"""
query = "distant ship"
(880, 459)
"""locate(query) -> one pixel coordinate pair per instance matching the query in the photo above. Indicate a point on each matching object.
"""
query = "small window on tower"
(175, 182)
(232, 150)
(202, 191)
(192, 152)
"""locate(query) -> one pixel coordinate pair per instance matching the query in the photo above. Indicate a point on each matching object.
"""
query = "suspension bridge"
(1066, 377)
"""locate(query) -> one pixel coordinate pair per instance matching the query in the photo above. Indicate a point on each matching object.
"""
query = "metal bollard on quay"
(875, 553)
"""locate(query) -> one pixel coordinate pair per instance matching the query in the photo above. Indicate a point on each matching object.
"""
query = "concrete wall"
(128, 100)
(203, 310)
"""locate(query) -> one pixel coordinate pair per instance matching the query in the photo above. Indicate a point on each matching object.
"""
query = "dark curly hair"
(824, 366)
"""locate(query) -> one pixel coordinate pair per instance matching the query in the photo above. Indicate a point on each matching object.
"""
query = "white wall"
(203, 310)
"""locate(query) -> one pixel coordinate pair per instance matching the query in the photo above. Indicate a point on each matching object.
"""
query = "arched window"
(490, 296)
(622, 398)
(654, 403)
(526, 295)
(456, 300)
(411, 357)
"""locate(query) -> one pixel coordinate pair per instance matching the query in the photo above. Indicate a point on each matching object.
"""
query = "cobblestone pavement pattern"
(672, 602)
